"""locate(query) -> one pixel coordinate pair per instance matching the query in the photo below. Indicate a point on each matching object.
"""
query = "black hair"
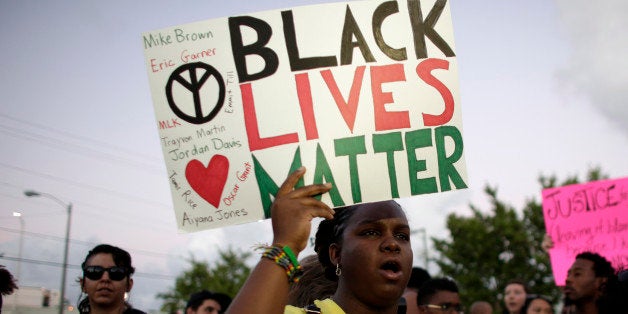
(313, 284)
(330, 231)
(532, 297)
(196, 299)
(120, 257)
(418, 277)
(601, 266)
(432, 286)
(613, 292)
(7, 283)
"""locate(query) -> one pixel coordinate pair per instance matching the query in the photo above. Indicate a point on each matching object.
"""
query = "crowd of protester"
(363, 264)
(592, 284)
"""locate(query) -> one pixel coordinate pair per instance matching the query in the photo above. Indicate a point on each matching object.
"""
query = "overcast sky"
(543, 86)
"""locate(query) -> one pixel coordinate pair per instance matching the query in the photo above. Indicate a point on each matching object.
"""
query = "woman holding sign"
(365, 247)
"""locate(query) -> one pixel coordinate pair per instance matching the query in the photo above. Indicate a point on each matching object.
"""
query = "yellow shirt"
(327, 306)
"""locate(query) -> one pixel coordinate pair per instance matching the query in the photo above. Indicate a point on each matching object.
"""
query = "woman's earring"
(338, 270)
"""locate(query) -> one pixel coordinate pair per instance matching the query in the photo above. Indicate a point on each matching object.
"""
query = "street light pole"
(425, 251)
(68, 208)
(427, 258)
(19, 256)
(65, 257)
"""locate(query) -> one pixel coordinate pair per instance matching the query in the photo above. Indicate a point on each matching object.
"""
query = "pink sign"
(587, 217)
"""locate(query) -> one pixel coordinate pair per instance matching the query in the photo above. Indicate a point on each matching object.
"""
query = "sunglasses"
(95, 272)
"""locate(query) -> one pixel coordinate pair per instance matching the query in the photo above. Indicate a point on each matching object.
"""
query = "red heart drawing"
(208, 182)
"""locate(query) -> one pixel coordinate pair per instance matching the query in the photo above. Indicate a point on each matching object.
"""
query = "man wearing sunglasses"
(439, 295)
(106, 281)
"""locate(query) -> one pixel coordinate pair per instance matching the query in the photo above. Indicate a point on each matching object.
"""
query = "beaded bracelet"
(284, 257)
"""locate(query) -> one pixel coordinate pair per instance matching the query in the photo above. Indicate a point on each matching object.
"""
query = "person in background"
(313, 284)
(207, 302)
(537, 304)
(481, 307)
(7, 284)
(107, 272)
(417, 278)
(439, 295)
(365, 248)
(592, 286)
(515, 296)
(612, 291)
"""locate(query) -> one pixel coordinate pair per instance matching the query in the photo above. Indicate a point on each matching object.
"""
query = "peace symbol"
(187, 76)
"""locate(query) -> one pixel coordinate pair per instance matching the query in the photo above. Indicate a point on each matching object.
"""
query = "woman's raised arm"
(266, 289)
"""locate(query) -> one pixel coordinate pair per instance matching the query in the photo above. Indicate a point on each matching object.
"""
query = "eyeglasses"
(447, 307)
(95, 272)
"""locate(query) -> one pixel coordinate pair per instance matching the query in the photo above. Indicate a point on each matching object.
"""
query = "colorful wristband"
(284, 257)
(291, 255)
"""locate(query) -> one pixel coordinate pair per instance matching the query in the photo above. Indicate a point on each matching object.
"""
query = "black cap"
(196, 299)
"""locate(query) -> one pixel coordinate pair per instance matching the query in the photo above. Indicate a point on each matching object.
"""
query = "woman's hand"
(293, 210)
(266, 289)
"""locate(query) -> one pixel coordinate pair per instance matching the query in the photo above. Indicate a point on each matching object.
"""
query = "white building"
(33, 300)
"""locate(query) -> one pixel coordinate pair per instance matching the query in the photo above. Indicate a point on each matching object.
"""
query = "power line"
(85, 243)
(80, 148)
(71, 135)
(74, 148)
(55, 264)
(99, 210)
(77, 137)
(80, 185)
(44, 236)
(36, 137)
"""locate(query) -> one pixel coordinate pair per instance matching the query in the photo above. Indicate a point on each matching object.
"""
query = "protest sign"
(587, 217)
(364, 94)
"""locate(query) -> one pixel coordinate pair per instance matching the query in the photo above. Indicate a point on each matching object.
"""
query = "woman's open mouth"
(391, 270)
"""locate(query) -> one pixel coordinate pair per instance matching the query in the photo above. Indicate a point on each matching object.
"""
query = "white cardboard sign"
(364, 94)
